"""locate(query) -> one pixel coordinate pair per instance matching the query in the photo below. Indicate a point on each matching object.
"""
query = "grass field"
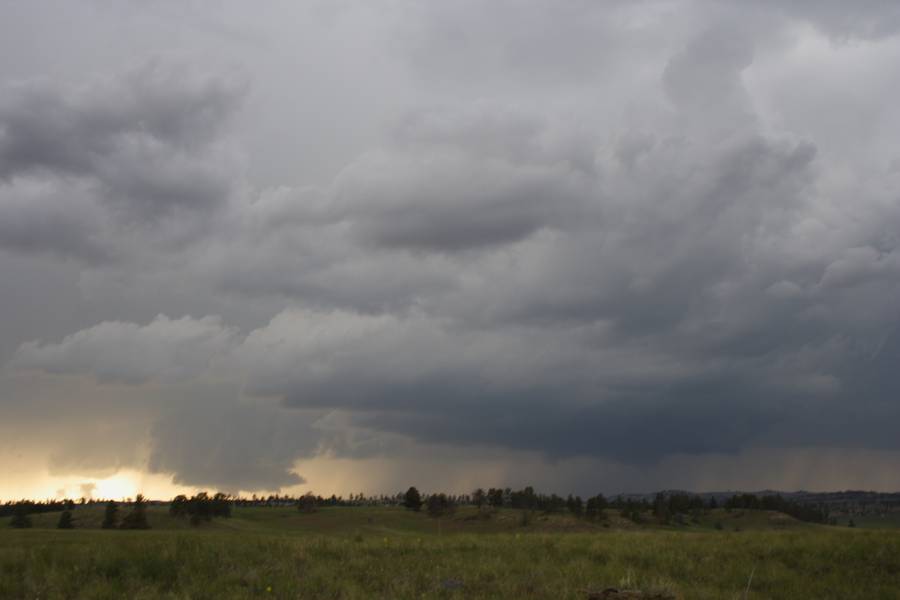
(393, 553)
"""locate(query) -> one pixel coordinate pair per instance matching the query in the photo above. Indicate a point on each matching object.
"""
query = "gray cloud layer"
(615, 234)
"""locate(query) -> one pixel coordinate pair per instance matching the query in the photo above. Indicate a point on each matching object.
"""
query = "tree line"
(21, 511)
(812, 513)
(203, 507)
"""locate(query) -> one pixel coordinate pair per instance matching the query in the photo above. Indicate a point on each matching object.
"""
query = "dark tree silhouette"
(20, 519)
(137, 518)
(201, 507)
(575, 505)
(65, 520)
(594, 507)
(110, 515)
(307, 503)
(661, 508)
(221, 505)
(412, 499)
(439, 505)
(179, 506)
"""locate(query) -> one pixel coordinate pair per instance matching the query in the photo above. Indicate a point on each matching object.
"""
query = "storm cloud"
(626, 235)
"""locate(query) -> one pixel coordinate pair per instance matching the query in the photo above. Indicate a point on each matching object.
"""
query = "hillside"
(398, 521)
(386, 552)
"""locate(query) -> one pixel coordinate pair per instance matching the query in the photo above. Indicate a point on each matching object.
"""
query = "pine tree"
(20, 519)
(137, 518)
(439, 505)
(412, 499)
(575, 505)
(65, 520)
(110, 515)
(307, 503)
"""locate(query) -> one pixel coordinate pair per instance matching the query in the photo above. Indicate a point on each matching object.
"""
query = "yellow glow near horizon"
(118, 486)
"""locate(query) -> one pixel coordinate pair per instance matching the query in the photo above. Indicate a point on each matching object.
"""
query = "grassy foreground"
(391, 553)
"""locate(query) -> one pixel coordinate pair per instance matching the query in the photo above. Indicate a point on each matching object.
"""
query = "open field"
(393, 553)
(885, 521)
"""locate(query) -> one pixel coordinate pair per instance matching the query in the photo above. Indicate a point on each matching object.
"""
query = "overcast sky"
(356, 246)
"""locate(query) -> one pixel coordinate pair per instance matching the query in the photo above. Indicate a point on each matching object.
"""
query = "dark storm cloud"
(143, 143)
(607, 233)
(454, 203)
(37, 218)
(74, 129)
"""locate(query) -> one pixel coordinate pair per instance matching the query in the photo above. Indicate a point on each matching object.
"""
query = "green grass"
(888, 521)
(353, 553)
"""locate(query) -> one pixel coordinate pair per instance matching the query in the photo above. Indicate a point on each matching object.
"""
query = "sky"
(345, 246)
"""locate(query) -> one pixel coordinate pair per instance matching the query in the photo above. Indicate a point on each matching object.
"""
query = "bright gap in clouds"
(126, 483)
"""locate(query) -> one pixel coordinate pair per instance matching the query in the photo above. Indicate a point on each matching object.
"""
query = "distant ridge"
(846, 500)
